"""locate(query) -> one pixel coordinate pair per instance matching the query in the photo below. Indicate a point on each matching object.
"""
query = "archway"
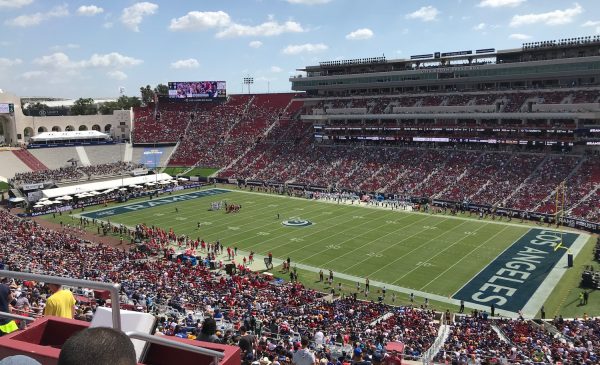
(107, 128)
(69, 128)
(96, 127)
(27, 133)
(56, 129)
(2, 135)
(83, 128)
(42, 129)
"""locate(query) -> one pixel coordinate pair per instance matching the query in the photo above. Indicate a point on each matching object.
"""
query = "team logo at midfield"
(297, 222)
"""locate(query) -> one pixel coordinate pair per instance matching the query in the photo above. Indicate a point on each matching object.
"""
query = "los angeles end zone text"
(512, 278)
(152, 203)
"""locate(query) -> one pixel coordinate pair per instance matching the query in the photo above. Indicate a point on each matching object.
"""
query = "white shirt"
(319, 337)
(303, 357)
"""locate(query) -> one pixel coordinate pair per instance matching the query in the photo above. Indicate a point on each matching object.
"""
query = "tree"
(123, 103)
(108, 107)
(161, 89)
(35, 108)
(127, 102)
(83, 106)
(147, 94)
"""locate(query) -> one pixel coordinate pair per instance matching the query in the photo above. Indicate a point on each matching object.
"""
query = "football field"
(482, 262)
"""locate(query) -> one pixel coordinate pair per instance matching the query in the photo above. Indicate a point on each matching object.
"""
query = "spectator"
(304, 356)
(61, 303)
(98, 346)
(208, 331)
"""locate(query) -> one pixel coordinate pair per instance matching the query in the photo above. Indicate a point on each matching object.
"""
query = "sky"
(96, 48)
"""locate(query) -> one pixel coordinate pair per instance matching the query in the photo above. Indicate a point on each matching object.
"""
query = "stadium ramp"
(83, 157)
(30, 160)
(128, 156)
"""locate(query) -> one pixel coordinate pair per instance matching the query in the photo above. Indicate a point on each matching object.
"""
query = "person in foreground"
(98, 346)
(61, 303)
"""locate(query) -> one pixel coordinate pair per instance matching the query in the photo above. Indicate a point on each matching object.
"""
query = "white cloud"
(266, 29)
(107, 25)
(360, 34)
(14, 3)
(61, 60)
(556, 17)
(500, 3)
(29, 75)
(112, 59)
(294, 49)
(276, 69)
(480, 26)
(65, 46)
(117, 75)
(188, 63)
(519, 36)
(255, 44)
(7, 62)
(308, 2)
(426, 14)
(89, 10)
(28, 20)
(133, 16)
(591, 23)
(200, 20)
(57, 60)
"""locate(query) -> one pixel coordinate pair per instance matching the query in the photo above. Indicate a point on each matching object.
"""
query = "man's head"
(98, 346)
(54, 287)
(304, 342)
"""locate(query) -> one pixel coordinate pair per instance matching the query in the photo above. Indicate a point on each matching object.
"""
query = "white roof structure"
(60, 136)
(103, 185)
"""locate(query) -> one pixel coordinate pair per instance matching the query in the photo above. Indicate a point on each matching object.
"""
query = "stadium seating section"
(181, 295)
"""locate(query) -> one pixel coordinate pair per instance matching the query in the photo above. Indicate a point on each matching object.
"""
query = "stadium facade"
(544, 93)
(18, 128)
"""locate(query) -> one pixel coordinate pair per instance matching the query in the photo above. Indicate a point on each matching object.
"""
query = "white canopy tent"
(103, 185)
(68, 136)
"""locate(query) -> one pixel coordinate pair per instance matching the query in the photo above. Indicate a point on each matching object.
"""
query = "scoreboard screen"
(7, 108)
(196, 90)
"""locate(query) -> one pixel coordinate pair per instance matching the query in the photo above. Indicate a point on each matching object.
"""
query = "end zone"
(523, 276)
(109, 212)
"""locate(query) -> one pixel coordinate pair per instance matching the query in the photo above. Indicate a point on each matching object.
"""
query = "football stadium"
(435, 208)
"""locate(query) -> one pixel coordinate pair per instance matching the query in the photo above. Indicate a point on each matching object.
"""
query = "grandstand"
(481, 138)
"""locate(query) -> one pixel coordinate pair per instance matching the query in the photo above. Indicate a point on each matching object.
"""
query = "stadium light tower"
(248, 81)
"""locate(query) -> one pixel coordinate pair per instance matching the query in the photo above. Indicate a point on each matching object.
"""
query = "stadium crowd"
(74, 173)
(194, 302)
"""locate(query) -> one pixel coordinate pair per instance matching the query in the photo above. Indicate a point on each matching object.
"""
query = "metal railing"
(113, 288)
(23, 319)
(116, 311)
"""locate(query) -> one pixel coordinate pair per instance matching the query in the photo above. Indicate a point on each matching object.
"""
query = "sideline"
(529, 310)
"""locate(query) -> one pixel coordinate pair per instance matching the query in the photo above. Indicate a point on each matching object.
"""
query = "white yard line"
(365, 245)
(389, 247)
(437, 254)
(464, 257)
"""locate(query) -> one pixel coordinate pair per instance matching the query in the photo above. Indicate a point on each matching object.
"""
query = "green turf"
(196, 171)
(431, 253)
(175, 170)
(202, 171)
(3, 186)
(564, 298)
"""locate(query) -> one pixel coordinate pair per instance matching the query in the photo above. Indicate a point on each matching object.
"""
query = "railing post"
(114, 288)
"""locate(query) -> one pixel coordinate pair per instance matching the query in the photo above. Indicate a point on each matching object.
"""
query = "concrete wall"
(18, 128)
